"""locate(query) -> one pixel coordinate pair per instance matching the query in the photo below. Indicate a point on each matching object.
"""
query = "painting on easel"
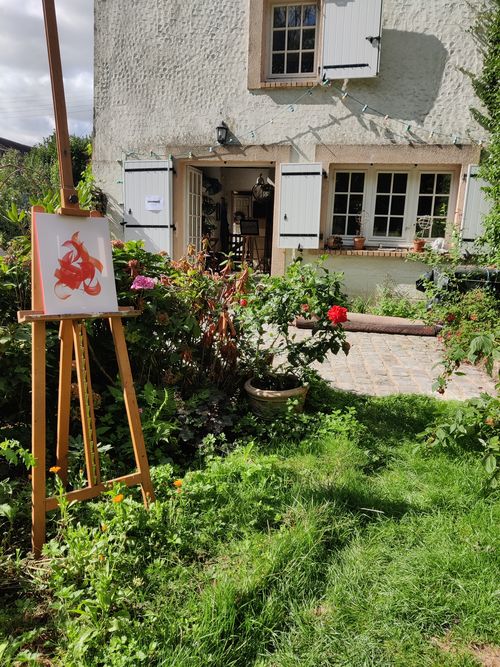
(75, 264)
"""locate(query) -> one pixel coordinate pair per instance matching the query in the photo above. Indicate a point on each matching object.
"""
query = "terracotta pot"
(359, 242)
(418, 245)
(270, 403)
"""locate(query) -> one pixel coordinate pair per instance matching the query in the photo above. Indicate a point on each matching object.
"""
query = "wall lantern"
(222, 131)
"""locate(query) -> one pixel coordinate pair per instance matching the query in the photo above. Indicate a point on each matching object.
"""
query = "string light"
(344, 94)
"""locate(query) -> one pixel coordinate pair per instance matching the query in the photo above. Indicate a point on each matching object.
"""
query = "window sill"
(368, 252)
(279, 83)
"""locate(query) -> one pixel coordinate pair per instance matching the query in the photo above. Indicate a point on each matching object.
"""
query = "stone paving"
(381, 364)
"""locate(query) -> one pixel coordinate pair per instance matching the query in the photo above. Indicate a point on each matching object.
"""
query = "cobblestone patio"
(381, 364)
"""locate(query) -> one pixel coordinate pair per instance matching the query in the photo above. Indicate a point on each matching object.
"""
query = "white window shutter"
(300, 205)
(476, 205)
(351, 38)
(148, 203)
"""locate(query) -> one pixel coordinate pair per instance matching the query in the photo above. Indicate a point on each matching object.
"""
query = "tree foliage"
(487, 88)
(33, 177)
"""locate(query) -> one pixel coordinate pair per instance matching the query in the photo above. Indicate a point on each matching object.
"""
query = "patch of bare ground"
(485, 654)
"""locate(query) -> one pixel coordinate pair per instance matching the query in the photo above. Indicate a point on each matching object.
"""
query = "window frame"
(269, 15)
(411, 203)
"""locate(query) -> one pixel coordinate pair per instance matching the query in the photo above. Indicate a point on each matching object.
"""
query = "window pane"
(424, 206)
(398, 205)
(338, 224)
(294, 13)
(395, 227)
(292, 63)
(356, 204)
(279, 17)
(400, 181)
(307, 62)
(426, 183)
(308, 38)
(357, 182)
(342, 181)
(382, 204)
(309, 15)
(438, 228)
(384, 182)
(278, 66)
(279, 40)
(293, 41)
(379, 226)
(441, 206)
(340, 204)
(352, 225)
(443, 184)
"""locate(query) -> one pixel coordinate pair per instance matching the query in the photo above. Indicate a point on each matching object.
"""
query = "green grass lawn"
(351, 547)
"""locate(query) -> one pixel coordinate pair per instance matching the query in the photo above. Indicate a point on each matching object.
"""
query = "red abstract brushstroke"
(77, 270)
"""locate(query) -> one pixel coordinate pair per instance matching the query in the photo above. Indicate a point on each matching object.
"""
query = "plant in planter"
(279, 359)
(423, 226)
(360, 238)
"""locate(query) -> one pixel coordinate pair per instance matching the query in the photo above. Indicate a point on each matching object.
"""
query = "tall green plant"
(487, 87)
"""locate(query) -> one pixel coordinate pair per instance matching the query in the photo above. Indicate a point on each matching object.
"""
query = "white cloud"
(25, 94)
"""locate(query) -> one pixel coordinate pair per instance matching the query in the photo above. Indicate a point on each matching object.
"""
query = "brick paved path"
(381, 364)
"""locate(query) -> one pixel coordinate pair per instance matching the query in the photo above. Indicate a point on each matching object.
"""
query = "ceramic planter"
(359, 242)
(418, 245)
(270, 403)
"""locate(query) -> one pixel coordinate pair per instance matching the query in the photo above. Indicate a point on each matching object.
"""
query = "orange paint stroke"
(77, 270)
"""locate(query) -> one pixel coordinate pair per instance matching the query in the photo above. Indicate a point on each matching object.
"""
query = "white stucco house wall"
(355, 111)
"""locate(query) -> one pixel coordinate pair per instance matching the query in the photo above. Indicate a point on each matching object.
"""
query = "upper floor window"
(293, 39)
(302, 41)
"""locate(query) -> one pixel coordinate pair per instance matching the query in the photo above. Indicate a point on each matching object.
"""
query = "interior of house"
(237, 213)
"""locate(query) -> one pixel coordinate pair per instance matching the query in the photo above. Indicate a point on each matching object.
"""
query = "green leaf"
(490, 463)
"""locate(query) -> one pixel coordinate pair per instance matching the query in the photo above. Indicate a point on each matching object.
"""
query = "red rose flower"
(243, 302)
(450, 317)
(337, 314)
(304, 307)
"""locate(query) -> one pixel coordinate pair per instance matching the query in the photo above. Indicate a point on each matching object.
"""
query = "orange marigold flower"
(119, 498)
(178, 483)
(55, 469)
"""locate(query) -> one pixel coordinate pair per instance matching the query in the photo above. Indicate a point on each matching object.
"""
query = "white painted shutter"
(351, 38)
(145, 183)
(476, 205)
(300, 205)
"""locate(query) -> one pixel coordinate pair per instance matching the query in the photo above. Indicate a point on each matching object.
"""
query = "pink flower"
(337, 314)
(304, 307)
(143, 282)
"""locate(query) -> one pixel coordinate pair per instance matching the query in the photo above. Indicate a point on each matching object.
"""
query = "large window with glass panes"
(391, 207)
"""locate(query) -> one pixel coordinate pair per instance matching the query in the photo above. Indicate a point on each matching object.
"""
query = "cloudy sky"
(25, 96)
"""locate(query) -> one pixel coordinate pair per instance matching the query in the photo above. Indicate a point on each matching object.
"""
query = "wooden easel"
(73, 337)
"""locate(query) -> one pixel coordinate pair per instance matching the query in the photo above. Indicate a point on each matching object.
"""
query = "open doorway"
(232, 207)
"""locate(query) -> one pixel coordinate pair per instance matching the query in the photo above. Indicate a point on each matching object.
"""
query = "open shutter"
(300, 205)
(351, 38)
(148, 208)
(476, 205)
(194, 204)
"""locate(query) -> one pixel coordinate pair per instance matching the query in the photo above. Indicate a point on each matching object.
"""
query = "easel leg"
(86, 402)
(132, 408)
(38, 437)
(66, 358)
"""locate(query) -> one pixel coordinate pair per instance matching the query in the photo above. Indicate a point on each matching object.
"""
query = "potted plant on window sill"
(278, 358)
(359, 239)
(423, 226)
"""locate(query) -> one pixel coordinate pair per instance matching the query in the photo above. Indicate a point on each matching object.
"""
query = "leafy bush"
(305, 290)
(470, 329)
(473, 426)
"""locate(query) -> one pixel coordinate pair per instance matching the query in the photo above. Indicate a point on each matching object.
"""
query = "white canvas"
(76, 265)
